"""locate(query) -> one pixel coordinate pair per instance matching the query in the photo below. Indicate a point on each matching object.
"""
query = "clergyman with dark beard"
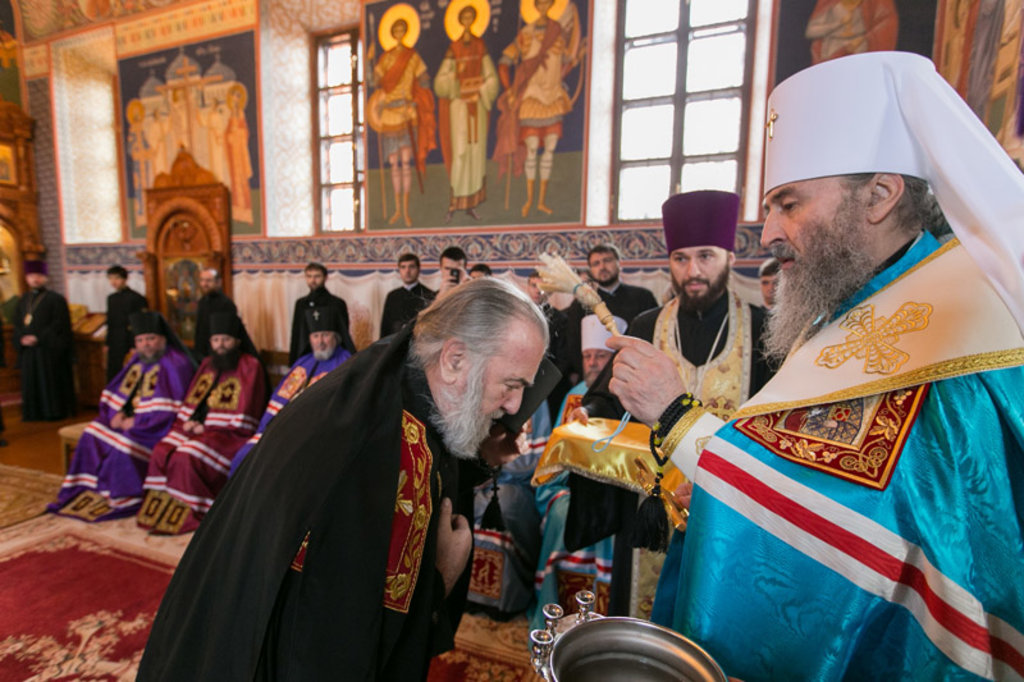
(343, 553)
(714, 341)
(221, 410)
(861, 516)
(625, 301)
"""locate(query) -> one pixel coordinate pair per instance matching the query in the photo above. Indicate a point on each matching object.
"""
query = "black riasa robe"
(214, 302)
(402, 305)
(120, 305)
(328, 465)
(318, 298)
(47, 382)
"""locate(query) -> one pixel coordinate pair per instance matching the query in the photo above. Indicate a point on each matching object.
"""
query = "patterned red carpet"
(77, 601)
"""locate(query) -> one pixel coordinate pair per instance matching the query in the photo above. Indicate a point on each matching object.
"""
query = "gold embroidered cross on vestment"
(874, 339)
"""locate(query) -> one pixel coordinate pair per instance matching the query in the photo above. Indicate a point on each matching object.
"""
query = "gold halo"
(135, 111)
(528, 10)
(479, 25)
(394, 13)
(238, 90)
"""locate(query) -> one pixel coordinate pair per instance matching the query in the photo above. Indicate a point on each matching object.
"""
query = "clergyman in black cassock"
(402, 305)
(318, 560)
(120, 306)
(42, 336)
(213, 301)
(717, 334)
(318, 297)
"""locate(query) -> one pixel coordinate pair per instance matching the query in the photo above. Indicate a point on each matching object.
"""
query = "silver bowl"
(618, 649)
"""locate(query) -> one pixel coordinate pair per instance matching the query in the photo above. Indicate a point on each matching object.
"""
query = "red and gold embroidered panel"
(293, 383)
(488, 568)
(411, 519)
(571, 582)
(858, 440)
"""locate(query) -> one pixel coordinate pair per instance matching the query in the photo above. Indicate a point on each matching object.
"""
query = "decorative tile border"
(375, 251)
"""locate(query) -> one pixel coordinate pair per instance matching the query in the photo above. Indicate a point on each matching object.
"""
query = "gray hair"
(917, 208)
(477, 313)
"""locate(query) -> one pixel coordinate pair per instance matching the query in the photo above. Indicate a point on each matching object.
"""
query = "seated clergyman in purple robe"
(136, 410)
(322, 353)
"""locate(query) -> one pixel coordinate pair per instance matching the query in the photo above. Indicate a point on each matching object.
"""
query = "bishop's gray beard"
(833, 266)
(323, 355)
(465, 427)
(152, 357)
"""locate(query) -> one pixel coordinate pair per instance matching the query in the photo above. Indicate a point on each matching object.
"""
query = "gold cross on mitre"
(770, 125)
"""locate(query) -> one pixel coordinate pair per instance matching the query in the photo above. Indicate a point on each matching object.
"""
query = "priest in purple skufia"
(322, 353)
(136, 410)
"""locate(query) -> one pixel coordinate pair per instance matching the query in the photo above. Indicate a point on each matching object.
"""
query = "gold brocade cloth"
(626, 462)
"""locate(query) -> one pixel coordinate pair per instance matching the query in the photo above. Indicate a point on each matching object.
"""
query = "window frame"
(321, 136)
(679, 98)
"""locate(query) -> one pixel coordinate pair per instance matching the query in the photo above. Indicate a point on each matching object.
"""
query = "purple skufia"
(701, 218)
(35, 267)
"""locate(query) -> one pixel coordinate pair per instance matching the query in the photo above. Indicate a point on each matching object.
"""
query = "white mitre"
(891, 112)
(593, 334)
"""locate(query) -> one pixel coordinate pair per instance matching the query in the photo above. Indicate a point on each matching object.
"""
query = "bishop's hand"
(454, 544)
(500, 447)
(644, 379)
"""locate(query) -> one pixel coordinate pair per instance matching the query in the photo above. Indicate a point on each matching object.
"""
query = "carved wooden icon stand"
(19, 217)
(19, 200)
(189, 217)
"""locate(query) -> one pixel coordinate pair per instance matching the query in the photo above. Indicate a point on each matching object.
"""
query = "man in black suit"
(405, 302)
(120, 305)
(213, 301)
(623, 300)
(318, 297)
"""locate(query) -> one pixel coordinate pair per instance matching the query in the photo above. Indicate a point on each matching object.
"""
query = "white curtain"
(92, 288)
(266, 299)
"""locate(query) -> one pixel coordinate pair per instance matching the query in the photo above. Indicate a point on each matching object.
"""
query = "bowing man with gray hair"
(340, 547)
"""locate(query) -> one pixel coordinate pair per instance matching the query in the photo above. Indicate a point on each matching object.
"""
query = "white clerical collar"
(410, 287)
(610, 290)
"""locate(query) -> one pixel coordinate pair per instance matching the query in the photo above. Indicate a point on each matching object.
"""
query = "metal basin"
(620, 649)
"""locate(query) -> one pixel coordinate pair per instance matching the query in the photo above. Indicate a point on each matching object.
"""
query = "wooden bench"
(69, 436)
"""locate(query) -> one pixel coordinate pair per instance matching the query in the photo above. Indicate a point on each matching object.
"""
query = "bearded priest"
(221, 411)
(137, 409)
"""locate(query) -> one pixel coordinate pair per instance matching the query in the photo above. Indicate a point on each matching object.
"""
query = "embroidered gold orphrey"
(199, 388)
(488, 569)
(859, 440)
(874, 339)
(294, 383)
(225, 395)
(413, 507)
(149, 381)
(130, 379)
